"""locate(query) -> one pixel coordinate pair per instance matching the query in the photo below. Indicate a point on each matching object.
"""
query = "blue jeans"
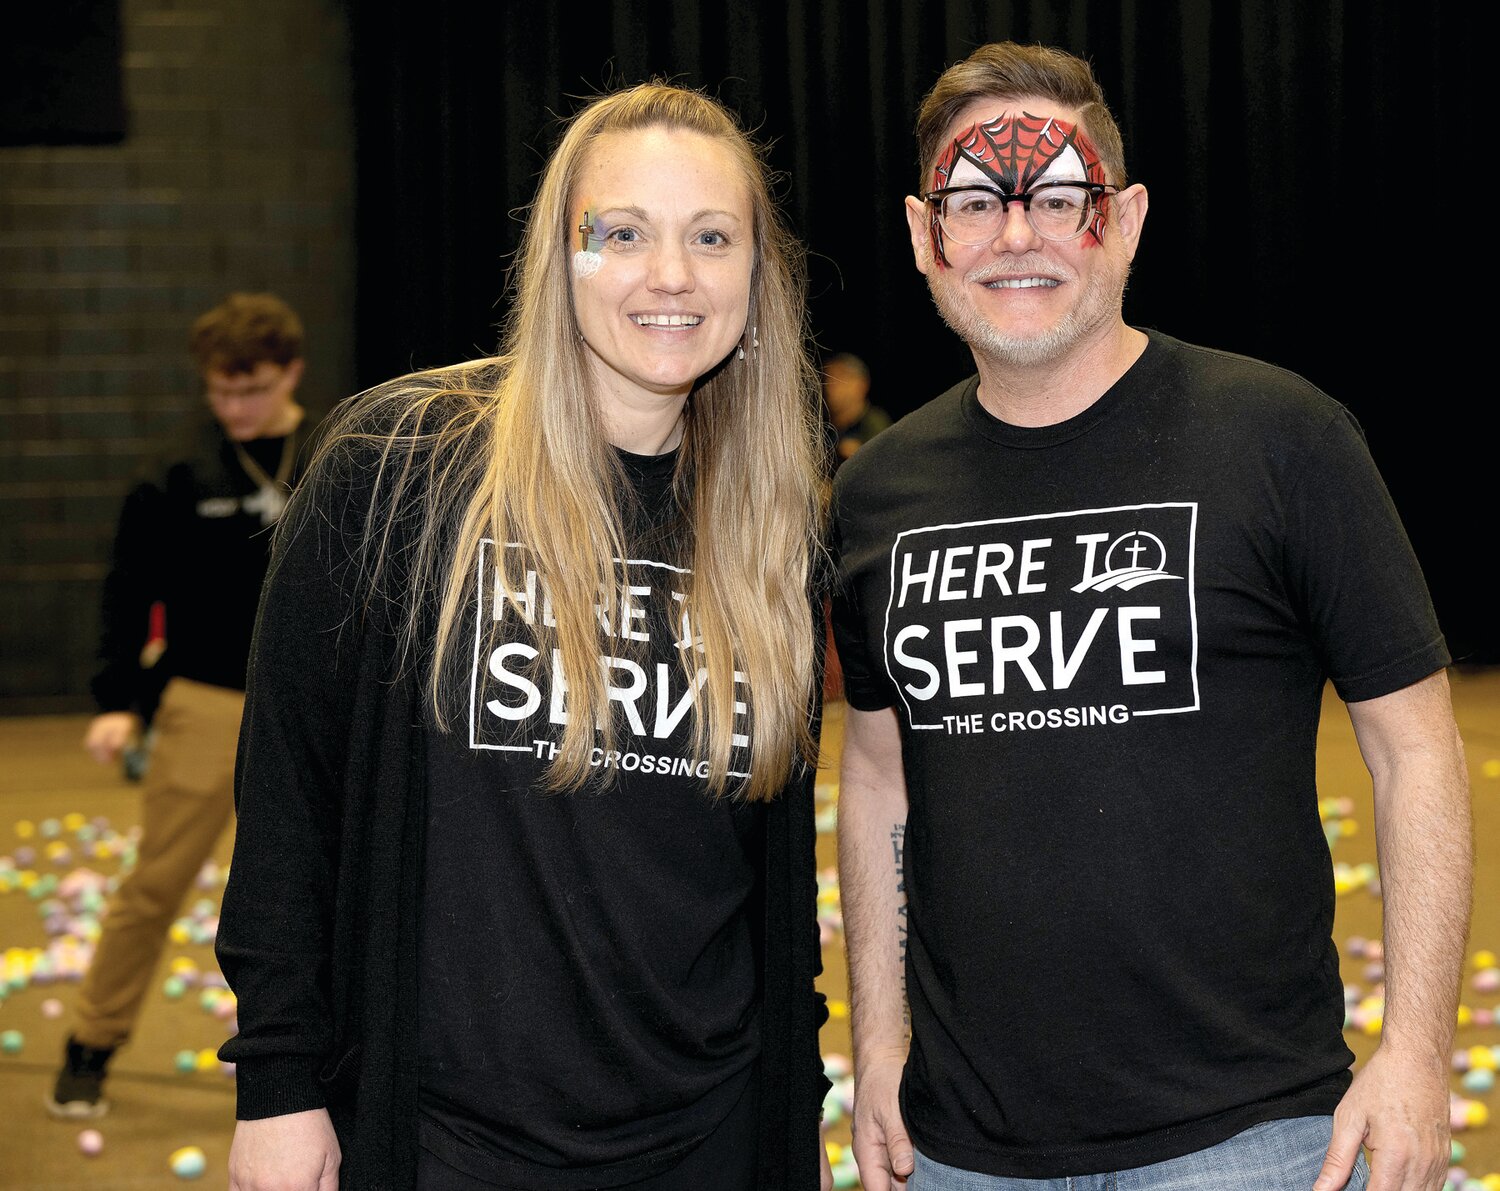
(1274, 1156)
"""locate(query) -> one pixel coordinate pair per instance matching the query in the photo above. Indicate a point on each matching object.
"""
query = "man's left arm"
(1397, 1106)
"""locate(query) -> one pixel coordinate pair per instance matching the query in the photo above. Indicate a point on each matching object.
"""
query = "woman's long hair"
(513, 449)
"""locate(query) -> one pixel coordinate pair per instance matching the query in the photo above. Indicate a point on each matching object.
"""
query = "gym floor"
(50, 791)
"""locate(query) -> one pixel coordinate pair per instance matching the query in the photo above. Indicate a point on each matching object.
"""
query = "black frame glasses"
(1096, 191)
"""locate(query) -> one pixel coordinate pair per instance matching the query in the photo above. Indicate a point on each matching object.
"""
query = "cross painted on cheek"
(588, 260)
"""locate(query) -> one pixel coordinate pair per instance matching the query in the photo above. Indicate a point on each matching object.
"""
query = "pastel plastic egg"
(1477, 1114)
(179, 933)
(173, 987)
(1487, 980)
(188, 1162)
(1482, 1058)
(1457, 1152)
(1465, 1015)
(1491, 1182)
(12, 1042)
(1485, 959)
(1481, 1080)
(846, 1175)
(185, 1061)
(52, 1008)
(25, 829)
(207, 1059)
(91, 1143)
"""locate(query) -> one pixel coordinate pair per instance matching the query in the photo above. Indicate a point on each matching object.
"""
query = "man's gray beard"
(1051, 345)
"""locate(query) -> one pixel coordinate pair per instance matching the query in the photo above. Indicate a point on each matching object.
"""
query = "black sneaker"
(79, 1092)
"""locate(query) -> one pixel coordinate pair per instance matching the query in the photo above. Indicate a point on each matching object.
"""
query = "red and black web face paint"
(1015, 153)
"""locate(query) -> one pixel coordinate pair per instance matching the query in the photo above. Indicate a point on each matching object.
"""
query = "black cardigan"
(318, 931)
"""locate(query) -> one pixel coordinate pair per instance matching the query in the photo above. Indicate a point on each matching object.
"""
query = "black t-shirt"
(588, 1000)
(1106, 642)
(198, 540)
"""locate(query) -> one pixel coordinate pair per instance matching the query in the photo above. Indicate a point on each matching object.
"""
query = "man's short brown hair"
(245, 331)
(1005, 70)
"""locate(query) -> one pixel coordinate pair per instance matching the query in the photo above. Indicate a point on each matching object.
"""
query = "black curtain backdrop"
(1312, 199)
(61, 80)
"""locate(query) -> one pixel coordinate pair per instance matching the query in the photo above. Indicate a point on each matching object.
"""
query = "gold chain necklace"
(270, 498)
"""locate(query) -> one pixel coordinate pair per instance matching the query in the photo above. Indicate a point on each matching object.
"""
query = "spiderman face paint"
(1016, 152)
(1020, 297)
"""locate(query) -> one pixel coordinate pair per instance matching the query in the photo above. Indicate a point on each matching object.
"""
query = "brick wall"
(237, 173)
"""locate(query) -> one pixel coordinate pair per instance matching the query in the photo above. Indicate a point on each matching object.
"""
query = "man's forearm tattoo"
(898, 855)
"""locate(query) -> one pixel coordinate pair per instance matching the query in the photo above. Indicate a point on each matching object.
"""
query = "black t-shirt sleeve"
(133, 583)
(1352, 572)
(866, 687)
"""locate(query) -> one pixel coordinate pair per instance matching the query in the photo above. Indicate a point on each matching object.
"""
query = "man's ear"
(1128, 216)
(919, 223)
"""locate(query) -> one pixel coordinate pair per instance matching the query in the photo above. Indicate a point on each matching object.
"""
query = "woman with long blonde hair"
(523, 885)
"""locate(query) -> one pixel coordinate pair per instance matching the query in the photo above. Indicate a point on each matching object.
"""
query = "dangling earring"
(754, 341)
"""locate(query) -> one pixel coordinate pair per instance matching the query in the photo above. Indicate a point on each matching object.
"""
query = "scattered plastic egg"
(188, 1162)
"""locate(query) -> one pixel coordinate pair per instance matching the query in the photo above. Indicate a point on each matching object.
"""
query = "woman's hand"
(296, 1152)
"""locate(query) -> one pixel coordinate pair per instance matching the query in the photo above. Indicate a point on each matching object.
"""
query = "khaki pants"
(187, 801)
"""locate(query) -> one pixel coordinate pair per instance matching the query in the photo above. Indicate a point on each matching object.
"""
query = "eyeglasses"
(252, 391)
(1057, 211)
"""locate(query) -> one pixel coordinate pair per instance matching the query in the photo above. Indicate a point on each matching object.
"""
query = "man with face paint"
(1088, 602)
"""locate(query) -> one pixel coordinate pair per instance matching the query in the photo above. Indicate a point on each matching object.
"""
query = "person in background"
(194, 540)
(846, 392)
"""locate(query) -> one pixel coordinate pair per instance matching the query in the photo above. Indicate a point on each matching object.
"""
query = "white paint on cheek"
(586, 264)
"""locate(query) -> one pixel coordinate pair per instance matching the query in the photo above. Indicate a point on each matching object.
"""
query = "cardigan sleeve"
(275, 930)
